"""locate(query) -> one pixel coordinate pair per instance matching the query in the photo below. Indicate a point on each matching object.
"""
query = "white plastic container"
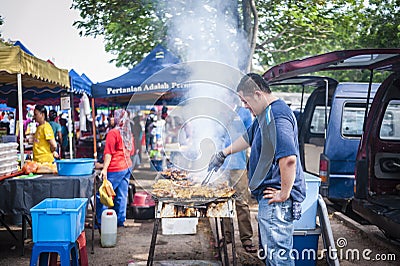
(11, 146)
(108, 228)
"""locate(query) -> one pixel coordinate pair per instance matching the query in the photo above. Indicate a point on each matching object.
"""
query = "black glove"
(216, 161)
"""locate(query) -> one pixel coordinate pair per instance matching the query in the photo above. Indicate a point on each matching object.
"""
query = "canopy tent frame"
(16, 66)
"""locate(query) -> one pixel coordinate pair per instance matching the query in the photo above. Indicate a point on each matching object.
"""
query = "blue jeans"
(276, 231)
(120, 182)
(149, 142)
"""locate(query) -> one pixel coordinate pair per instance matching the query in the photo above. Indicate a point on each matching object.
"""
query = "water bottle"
(108, 228)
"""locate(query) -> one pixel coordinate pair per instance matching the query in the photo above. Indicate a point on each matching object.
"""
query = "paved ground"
(134, 241)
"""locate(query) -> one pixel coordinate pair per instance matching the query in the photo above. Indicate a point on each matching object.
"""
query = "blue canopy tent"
(87, 79)
(23, 47)
(5, 108)
(142, 83)
(80, 85)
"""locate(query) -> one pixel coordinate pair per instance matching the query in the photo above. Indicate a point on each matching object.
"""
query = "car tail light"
(323, 168)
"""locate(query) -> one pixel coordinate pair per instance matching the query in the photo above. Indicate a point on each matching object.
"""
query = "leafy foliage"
(130, 28)
(287, 29)
(1, 23)
(381, 26)
(296, 29)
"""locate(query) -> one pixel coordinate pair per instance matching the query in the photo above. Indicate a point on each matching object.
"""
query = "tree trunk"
(250, 29)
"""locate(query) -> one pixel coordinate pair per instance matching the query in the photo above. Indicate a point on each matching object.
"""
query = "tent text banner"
(146, 87)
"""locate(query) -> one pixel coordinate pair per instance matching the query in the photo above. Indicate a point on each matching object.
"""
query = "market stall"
(139, 86)
(23, 71)
(24, 76)
(19, 194)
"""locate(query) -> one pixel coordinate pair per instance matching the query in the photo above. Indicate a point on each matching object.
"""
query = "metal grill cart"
(196, 207)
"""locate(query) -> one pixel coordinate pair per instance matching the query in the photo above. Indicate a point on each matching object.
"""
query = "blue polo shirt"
(241, 122)
(273, 135)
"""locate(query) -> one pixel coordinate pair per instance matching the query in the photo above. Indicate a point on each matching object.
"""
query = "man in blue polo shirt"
(275, 173)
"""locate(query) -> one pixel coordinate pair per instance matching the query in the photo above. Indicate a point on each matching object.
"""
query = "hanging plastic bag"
(107, 193)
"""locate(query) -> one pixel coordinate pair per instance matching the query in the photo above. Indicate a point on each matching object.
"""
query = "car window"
(318, 120)
(390, 127)
(353, 119)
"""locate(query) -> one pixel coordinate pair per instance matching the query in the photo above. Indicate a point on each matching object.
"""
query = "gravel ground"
(198, 249)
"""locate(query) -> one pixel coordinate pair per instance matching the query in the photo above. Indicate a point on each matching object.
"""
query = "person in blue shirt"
(64, 133)
(236, 165)
(56, 129)
(275, 174)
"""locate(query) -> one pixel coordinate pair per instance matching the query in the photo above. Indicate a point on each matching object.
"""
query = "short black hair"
(42, 109)
(252, 82)
(52, 115)
(63, 121)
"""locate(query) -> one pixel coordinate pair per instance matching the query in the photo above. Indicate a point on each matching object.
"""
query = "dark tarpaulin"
(139, 80)
(18, 196)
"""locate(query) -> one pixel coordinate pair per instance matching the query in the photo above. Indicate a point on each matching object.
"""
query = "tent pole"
(20, 120)
(72, 139)
(94, 131)
(70, 121)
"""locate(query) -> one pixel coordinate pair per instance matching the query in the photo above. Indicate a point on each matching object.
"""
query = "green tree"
(276, 31)
(1, 23)
(295, 29)
(381, 26)
(133, 28)
(130, 28)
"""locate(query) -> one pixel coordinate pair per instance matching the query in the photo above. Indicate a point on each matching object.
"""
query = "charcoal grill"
(199, 207)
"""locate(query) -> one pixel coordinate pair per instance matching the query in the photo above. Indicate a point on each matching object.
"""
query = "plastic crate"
(55, 220)
(74, 167)
(10, 146)
(305, 247)
(308, 218)
(9, 138)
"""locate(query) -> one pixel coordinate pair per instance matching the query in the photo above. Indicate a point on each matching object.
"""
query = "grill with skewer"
(177, 204)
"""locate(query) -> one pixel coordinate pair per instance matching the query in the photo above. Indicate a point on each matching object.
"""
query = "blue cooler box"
(305, 247)
(58, 220)
(308, 218)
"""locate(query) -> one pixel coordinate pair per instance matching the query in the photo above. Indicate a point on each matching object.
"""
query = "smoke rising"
(206, 36)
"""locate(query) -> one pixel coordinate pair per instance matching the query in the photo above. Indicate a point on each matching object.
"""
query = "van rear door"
(314, 118)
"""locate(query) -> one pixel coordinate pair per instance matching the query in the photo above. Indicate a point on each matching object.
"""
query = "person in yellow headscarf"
(44, 144)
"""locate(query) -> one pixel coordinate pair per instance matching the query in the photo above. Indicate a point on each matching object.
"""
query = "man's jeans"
(276, 231)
